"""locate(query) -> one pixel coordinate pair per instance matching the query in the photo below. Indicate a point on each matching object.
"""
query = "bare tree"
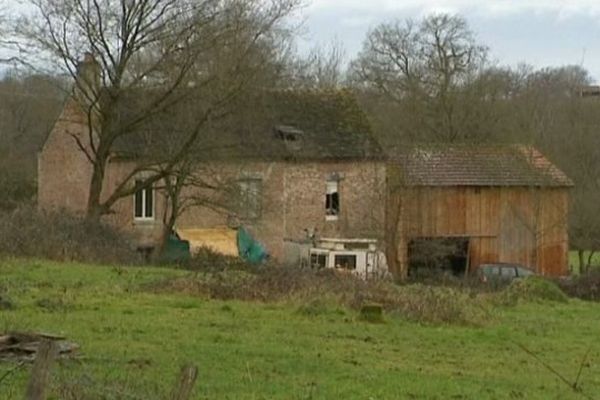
(322, 67)
(147, 58)
(549, 111)
(429, 70)
(28, 107)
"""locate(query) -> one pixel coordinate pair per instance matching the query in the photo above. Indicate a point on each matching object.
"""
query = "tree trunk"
(94, 207)
(581, 262)
(172, 205)
(589, 260)
(168, 226)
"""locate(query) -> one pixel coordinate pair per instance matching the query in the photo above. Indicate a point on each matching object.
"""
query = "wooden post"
(185, 383)
(468, 266)
(40, 373)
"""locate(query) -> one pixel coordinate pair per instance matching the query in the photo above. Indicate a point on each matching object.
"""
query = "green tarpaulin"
(249, 249)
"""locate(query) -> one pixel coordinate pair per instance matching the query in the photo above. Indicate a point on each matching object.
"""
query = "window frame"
(244, 212)
(143, 192)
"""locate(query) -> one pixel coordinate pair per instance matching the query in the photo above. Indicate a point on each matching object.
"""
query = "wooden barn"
(474, 205)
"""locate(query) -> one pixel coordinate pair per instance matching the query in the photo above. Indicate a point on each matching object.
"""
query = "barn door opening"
(439, 255)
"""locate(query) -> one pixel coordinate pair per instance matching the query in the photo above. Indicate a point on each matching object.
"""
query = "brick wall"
(293, 201)
(64, 172)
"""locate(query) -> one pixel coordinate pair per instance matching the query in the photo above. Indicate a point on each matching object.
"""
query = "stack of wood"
(24, 346)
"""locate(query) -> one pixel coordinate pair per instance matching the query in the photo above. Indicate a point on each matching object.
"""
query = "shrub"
(533, 288)
(317, 290)
(320, 306)
(61, 236)
(471, 282)
(16, 187)
(207, 259)
(585, 286)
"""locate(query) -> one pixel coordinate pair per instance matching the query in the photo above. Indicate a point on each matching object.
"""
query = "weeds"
(206, 259)
(585, 286)
(320, 291)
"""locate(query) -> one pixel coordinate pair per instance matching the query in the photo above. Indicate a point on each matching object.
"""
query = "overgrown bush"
(311, 288)
(470, 282)
(60, 236)
(207, 259)
(15, 189)
(533, 288)
(585, 286)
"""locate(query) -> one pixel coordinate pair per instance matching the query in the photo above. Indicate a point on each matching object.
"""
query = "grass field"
(134, 341)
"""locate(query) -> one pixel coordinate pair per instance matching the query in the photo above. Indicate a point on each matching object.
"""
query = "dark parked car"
(502, 272)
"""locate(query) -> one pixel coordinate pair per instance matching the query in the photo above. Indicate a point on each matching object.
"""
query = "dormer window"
(143, 203)
(288, 133)
(291, 136)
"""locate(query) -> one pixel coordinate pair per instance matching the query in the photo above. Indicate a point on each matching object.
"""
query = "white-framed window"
(332, 201)
(318, 260)
(143, 203)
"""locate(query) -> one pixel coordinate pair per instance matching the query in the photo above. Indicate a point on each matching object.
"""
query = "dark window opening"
(318, 261)
(139, 204)
(432, 256)
(332, 199)
(144, 202)
(345, 261)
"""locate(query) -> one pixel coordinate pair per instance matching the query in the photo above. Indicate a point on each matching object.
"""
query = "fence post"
(40, 373)
(185, 383)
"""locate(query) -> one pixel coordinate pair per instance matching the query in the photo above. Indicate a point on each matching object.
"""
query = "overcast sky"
(537, 32)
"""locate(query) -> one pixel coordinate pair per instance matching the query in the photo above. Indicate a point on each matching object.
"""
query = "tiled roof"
(284, 124)
(478, 166)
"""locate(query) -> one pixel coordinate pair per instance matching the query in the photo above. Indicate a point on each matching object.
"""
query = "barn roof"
(274, 125)
(510, 165)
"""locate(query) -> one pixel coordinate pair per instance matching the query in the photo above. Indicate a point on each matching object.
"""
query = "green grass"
(135, 340)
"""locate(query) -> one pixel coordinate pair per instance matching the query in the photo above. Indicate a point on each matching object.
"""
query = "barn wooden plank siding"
(503, 224)
(513, 217)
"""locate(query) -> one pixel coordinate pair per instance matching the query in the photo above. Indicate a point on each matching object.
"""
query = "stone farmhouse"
(317, 189)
